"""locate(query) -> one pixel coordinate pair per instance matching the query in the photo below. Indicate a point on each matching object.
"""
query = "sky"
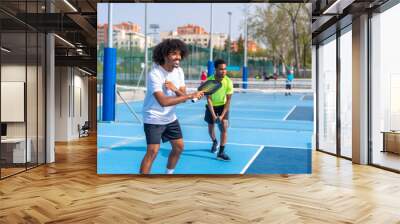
(171, 15)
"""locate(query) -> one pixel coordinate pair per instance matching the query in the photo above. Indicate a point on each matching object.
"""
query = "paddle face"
(209, 87)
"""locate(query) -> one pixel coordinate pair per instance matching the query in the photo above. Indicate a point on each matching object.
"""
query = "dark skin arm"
(179, 92)
(210, 108)
(166, 101)
(226, 107)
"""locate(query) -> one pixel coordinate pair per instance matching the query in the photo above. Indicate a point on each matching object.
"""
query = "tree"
(269, 26)
(292, 11)
(283, 28)
(226, 45)
(304, 28)
(240, 44)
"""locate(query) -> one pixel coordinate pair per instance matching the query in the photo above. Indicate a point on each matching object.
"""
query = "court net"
(258, 86)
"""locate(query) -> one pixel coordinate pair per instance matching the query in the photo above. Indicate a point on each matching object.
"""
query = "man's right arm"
(211, 108)
(156, 88)
(167, 101)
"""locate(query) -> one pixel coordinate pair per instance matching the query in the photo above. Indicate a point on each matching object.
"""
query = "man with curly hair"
(165, 89)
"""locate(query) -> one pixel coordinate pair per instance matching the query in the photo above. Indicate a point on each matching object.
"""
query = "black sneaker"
(223, 156)
(214, 147)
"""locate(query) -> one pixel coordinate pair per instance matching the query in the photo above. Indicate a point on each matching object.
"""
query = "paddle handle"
(219, 123)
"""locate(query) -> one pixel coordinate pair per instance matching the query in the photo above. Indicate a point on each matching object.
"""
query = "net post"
(109, 80)
(210, 68)
(244, 77)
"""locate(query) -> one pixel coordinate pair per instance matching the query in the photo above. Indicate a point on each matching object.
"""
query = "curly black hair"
(167, 46)
(219, 62)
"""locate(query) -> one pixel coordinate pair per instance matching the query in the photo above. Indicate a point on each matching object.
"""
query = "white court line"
(253, 119)
(126, 140)
(252, 159)
(253, 145)
(229, 143)
(288, 147)
(209, 142)
(255, 129)
(128, 123)
(261, 119)
(232, 109)
(235, 108)
(121, 143)
(287, 115)
(122, 137)
(258, 110)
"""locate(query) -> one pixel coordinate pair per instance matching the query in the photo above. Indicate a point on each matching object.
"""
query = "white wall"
(70, 83)
(12, 101)
(15, 73)
(80, 84)
(62, 83)
(33, 126)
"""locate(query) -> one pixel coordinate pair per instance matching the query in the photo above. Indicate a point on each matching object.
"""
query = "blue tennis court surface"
(308, 97)
(301, 113)
(261, 138)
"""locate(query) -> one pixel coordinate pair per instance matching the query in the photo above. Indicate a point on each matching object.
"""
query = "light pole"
(244, 75)
(196, 53)
(145, 39)
(130, 56)
(229, 39)
(210, 67)
(110, 30)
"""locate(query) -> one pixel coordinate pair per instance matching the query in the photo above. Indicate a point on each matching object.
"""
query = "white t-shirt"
(153, 112)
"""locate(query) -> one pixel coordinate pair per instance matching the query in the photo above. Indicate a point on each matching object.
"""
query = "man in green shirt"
(217, 108)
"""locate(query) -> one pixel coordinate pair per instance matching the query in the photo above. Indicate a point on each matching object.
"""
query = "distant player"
(217, 109)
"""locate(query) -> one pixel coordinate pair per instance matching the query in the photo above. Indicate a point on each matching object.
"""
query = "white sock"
(169, 171)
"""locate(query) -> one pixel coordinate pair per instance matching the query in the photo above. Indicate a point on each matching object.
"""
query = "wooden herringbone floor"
(70, 191)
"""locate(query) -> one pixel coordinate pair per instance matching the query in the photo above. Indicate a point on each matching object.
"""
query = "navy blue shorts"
(218, 111)
(165, 132)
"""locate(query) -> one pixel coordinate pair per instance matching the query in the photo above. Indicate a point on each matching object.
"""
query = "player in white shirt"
(165, 89)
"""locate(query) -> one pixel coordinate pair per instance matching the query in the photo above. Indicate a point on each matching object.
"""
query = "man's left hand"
(171, 86)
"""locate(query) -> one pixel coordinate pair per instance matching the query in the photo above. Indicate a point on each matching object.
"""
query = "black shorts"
(165, 132)
(288, 86)
(218, 111)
